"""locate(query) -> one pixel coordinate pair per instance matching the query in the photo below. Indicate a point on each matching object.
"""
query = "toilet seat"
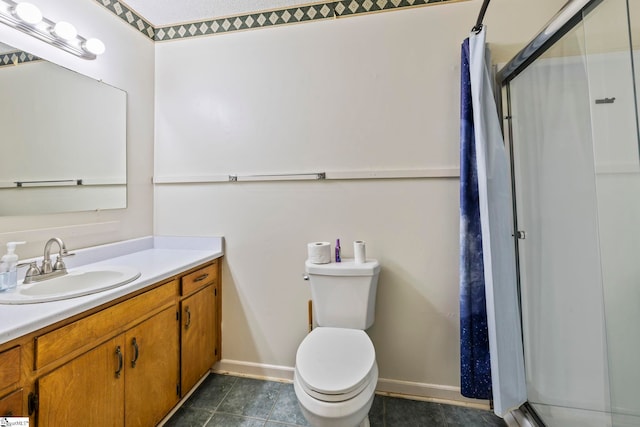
(335, 364)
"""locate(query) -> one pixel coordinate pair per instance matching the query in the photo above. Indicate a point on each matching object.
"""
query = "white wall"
(364, 93)
(384, 85)
(127, 64)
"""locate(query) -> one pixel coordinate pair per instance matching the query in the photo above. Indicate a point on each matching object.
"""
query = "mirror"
(63, 139)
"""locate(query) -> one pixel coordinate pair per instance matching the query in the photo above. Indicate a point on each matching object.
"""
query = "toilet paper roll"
(359, 252)
(319, 252)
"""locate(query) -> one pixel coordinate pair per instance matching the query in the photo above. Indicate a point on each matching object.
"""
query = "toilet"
(336, 373)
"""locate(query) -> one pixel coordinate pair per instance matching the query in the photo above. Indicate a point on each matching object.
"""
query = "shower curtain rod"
(483, 10)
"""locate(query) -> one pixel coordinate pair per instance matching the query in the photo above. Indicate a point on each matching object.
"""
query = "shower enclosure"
(570, 107)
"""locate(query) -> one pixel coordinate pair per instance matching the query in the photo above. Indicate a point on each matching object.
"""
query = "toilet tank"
(344, 293)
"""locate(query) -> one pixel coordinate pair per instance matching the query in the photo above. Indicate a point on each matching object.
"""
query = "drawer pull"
(201, 278)
(188, 322)
(136, 352)
(120, 361)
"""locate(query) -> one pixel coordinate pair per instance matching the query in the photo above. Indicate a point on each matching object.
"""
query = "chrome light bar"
(27, 18)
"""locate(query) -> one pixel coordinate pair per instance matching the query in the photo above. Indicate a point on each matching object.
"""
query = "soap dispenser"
(9, 267)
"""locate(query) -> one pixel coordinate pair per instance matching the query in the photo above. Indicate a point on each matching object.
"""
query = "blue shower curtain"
(475, 366)
(492, 361)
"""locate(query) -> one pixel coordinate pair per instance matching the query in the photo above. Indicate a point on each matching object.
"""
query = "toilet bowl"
(335, 377)
(336, 373)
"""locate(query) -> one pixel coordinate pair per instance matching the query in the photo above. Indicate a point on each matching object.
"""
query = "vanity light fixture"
(94, 46)
(28, 13)
(65, 31)
(27, 18)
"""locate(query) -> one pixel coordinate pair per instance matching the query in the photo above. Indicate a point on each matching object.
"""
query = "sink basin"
(78, 282)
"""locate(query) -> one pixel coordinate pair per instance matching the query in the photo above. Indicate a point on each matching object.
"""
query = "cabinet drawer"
(9, 367)
(11, 405)
(200, 278)
(62, 341)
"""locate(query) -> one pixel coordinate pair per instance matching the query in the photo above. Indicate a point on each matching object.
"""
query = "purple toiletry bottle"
(338, 258)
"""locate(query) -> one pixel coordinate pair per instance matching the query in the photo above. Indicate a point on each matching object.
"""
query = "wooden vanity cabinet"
(10, 367)
(151, 371)
(132, 378)
(200, 329)
(10, 398)
(198, 337)
(11, 405)
(86, 391)
(125, 364)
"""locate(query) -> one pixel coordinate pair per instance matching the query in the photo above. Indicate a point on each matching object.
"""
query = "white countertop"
(156, 257)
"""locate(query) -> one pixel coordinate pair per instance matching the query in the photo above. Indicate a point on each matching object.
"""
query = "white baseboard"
(254, 370)
(429, 392)
(396, 388)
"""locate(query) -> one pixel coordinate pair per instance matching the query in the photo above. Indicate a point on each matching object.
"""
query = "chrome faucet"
(47, 270)
(46, 267)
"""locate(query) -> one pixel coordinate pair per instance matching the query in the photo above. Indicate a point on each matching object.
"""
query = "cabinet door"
(198, 336)
(11, 405)
(152, 369)
(87, 391)
(10, 367)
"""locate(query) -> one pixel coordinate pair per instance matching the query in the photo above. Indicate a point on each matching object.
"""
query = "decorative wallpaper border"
(271, 18)
(16, 57)
(127, 14)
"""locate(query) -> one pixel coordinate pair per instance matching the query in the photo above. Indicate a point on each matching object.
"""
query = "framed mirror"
(63, 139)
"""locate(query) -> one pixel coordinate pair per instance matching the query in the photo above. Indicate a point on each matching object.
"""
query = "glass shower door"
(577, 189)
(617, 167)
(560, 275)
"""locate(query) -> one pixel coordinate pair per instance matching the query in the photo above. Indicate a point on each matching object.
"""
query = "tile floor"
(227, 401)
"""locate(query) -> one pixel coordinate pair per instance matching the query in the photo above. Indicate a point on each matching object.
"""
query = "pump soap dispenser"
(9, 267)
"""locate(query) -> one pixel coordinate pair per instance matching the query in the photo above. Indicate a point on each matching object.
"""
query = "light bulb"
(28, 13)
(65, 31)
(94, 46)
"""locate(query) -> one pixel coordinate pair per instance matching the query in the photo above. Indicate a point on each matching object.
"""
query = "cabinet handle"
(201, 278)
(136, 352)
(188, 322)
(120, 361)
(32, 403)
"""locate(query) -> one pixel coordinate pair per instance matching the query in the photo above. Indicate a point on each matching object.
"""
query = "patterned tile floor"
(227, 401)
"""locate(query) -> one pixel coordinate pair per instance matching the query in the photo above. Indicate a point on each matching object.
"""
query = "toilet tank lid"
(348, 267)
